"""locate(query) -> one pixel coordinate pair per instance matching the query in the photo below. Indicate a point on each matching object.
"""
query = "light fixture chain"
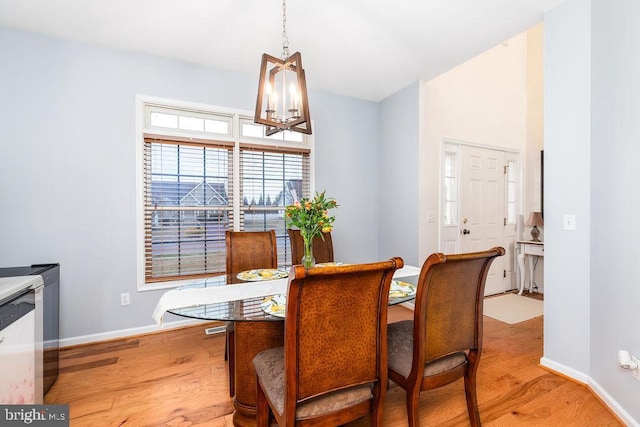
(285, 39)
(282, 104)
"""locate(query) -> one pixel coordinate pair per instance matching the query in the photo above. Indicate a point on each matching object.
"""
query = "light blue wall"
(567, 160)
(592, 105)
(67, 166)
(615, 197)
(346, 132)
(398, 171)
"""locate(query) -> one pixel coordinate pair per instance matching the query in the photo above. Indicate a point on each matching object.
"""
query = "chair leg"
(231, 357)
(413, 406)
(377, 405)
(470, 392)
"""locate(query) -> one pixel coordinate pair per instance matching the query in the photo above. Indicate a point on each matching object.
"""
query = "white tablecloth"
(190, 297)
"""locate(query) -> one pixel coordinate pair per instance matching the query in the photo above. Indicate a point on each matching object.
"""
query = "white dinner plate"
(274, 305)
(401, 289)
(262, 274)
(330, 264)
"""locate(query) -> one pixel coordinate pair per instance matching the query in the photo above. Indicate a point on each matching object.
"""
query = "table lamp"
(535, 220)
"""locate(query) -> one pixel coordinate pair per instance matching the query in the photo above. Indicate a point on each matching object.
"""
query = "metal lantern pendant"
(282, 102)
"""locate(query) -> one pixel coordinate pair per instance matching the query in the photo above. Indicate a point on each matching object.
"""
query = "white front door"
(482, 210)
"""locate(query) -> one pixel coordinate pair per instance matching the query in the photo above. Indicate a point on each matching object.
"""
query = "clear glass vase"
(307, 259)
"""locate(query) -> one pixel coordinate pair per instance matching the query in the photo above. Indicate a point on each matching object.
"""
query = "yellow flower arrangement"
(312, 217)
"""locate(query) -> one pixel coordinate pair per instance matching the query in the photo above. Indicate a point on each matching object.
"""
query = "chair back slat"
(322, 247)
(449, 302)
(247, 250)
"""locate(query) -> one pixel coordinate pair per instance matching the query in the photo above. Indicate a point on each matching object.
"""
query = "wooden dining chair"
(333, 366)
(443, 342)
(246, 250)
(322, 247)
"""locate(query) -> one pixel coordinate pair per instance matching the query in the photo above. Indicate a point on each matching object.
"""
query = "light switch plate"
(569, 222)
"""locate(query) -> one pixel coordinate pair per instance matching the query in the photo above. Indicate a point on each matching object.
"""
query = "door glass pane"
(511, 192)
(450, 205)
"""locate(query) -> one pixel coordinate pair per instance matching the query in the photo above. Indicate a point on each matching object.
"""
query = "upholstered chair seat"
(400, 339)
(269, 366)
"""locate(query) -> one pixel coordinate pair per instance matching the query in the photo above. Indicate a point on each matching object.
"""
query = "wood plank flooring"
(179, 378)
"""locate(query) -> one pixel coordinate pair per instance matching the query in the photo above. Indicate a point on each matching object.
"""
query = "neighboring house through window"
(205, 170)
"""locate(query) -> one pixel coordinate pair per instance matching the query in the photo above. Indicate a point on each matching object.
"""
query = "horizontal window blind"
(270, 179)
(188, 204)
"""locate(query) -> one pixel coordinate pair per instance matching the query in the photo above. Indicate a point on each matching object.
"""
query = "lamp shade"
(535, 219)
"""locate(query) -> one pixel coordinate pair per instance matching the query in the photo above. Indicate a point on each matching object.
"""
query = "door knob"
(465, 231)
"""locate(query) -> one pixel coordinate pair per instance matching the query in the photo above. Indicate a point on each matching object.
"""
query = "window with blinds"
(188, 206)
(270, 179)
(208, 170)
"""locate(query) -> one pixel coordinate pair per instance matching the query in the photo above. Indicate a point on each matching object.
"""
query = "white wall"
(483, 101)
(67, 168)
(534, 134)
(592, 105)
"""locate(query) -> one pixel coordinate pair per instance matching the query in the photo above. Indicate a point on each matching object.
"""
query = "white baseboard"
(123, 333)
(606, 398)
(613, 404)
(565, 370)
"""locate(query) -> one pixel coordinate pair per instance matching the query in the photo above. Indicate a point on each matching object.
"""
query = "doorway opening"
(481, 206)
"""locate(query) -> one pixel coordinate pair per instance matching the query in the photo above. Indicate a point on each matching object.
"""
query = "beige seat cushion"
(400, 343)
(269, 366)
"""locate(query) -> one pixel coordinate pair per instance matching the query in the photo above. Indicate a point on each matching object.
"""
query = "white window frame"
(141, 103)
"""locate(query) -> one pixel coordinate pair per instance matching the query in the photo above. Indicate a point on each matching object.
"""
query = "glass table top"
(247, 309)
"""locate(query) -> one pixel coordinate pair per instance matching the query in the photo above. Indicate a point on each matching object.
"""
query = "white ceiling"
(367, 49)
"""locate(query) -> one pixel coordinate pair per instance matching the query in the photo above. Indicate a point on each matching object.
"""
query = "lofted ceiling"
(366, 49)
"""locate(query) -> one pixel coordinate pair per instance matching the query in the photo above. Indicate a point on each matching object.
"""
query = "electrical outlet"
(125, 299)
(636, 372)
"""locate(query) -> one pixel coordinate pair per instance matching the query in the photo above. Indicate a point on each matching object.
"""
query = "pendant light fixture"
(282, 102)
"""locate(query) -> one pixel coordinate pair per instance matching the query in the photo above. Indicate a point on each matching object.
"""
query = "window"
(188, 207)
(270, 179)
(512, 192)
(201, 176)
(188, 121)
(451, 189)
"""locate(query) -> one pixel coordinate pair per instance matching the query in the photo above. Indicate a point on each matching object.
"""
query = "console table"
(529, 250)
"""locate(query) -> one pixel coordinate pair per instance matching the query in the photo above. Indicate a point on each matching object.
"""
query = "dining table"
(246, 302)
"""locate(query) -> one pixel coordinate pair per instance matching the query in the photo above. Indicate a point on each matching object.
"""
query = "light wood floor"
(179, 378)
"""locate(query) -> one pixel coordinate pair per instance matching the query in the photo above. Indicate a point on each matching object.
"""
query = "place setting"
(261, 274)
(275, 305)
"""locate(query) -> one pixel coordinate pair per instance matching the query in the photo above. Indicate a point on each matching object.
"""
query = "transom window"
(203, 175)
